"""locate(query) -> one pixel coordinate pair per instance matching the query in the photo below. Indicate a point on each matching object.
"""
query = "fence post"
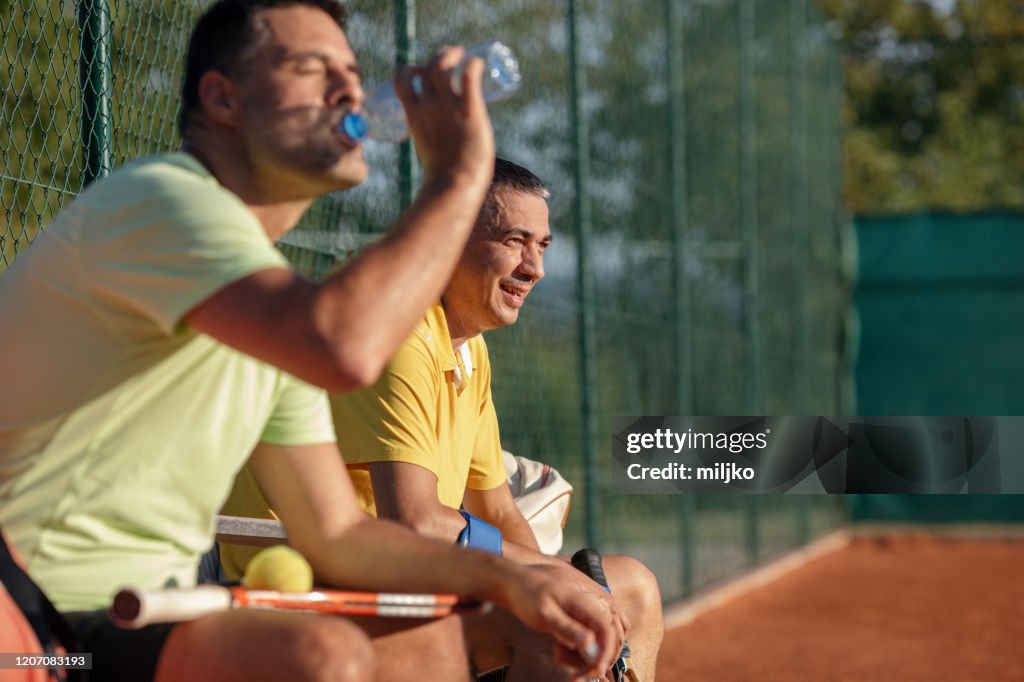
(676, 110)
(748, 209)
(803, 519)
(677, 191)
(753, 534)
(405, 53)
(800, 244)
(584, 281)
(94, 79)
(687, 516)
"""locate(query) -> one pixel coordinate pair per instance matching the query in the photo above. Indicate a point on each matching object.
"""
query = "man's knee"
(266, 645)
(331, 650)
(632, 580)
(492, 637)
(446, 637)
(429, 650)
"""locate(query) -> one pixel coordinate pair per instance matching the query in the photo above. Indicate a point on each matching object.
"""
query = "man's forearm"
(368, 308)
(445, 524)
(375, 555)
(516, 530)
(384, 556)
(528, 555)
(497, 507)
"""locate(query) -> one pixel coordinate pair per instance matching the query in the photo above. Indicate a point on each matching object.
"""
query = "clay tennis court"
(896, 607)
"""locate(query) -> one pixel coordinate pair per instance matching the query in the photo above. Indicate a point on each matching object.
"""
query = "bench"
(239, 530)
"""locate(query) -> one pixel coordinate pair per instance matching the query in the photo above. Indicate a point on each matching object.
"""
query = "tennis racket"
(133, 609)
(588, 561)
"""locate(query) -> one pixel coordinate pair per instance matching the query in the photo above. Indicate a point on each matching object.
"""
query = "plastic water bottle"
(383, 118)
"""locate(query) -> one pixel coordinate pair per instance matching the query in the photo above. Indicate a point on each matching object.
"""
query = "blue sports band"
(479, 535)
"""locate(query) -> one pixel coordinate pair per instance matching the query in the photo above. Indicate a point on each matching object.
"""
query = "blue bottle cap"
(355, 126)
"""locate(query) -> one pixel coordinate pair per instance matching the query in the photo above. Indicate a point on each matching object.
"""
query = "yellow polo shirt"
(426, 411)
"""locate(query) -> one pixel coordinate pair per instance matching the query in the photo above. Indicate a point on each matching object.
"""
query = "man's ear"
(219, 99)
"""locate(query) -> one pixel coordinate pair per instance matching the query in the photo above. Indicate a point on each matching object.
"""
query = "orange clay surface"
(911, 607)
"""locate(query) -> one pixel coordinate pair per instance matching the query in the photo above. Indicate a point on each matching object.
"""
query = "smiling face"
(296, 83)
(501, 263)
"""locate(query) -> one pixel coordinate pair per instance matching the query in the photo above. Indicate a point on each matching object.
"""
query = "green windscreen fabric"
(940, 303)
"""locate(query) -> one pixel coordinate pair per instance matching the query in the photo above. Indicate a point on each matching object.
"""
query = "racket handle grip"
(588, 562)
(133, 609)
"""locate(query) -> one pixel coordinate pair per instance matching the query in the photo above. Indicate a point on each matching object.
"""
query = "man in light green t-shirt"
(153, 338)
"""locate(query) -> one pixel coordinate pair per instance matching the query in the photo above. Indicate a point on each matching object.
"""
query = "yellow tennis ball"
(279, 568)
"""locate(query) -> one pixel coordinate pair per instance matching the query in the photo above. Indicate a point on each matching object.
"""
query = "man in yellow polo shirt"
(423, 441)
(454, 436)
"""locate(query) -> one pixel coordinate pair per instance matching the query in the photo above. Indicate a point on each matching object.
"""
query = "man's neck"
(458, 332)
(277, 214)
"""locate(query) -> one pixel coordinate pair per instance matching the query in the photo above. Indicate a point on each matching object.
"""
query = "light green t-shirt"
(121, 429)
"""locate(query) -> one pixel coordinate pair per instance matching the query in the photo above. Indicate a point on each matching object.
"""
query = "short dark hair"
(508, 177)
(511, 176)
(224, 37)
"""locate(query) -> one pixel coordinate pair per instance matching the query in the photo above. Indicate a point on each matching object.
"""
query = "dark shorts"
(118, 655)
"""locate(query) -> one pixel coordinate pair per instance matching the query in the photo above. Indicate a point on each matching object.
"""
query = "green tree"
(934, 110)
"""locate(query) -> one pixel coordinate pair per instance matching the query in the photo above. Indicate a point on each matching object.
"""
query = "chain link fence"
(697, 272)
